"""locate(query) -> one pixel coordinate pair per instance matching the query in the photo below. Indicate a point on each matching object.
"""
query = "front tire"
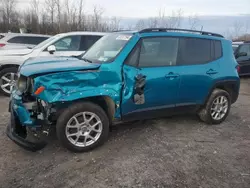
(8, 78)
(217, 107)
(82, 127)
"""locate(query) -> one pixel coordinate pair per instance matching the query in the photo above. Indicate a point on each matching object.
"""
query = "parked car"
(242, 55)
(20, 40)
(67, 44)
(2, 35)
(124, 76)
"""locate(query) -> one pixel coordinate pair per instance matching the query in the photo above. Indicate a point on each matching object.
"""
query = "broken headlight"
(22, 83)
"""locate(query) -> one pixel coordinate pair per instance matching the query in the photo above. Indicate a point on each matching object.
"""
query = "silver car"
(64, 44)
(19, 40)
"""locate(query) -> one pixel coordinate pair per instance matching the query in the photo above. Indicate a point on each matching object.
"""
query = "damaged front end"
(30, 122)
(40, 98)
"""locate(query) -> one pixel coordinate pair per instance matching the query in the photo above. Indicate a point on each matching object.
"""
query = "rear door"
(198, 69)
(244, 61)
(150, 83)
(34, 40)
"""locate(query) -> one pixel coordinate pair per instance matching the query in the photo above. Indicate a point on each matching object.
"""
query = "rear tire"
(87, 133)
(213, 112)
(7, 80)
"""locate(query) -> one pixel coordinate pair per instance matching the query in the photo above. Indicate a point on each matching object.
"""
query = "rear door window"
(193, 51)
(27, 40)
(35, 40)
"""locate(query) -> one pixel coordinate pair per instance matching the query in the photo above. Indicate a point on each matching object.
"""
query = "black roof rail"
(176, 29)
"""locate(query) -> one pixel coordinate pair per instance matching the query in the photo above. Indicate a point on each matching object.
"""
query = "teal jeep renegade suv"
(124, 76)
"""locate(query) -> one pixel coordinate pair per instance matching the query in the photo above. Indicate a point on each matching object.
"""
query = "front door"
(67, 46)
(150, 82)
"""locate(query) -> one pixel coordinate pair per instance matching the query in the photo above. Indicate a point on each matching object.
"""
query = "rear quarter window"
(217, 49)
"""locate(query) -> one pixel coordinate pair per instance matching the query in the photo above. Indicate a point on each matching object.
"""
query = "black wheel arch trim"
(226, 83)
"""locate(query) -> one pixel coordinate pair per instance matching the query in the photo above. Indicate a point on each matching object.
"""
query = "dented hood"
(43, 65)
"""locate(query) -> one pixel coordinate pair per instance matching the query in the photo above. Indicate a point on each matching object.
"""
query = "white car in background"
(20, 40)
(2, 35)
(66, 44)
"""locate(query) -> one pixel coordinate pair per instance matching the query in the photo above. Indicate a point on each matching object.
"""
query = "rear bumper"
(17, 132)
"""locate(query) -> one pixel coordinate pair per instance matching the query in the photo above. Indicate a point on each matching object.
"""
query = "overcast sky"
(149, 8)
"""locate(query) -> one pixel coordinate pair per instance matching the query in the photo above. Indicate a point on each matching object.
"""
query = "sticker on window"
(102, 58)
(123, 37)
(110, 53)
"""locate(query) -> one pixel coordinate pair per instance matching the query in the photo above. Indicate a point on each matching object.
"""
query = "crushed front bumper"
(16, 130)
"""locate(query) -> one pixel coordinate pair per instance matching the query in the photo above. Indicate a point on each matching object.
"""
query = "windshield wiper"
(89, 61)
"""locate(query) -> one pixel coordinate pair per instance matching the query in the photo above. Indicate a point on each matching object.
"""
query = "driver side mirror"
(51, 49)
(241, 54)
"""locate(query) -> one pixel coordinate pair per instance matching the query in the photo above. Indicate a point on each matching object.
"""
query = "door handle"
(211, 71)
(172, 75)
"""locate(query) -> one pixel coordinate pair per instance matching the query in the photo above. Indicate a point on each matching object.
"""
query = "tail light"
(238, 68)
(2, 45)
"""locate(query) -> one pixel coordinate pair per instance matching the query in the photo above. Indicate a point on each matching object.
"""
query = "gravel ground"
(170, 152)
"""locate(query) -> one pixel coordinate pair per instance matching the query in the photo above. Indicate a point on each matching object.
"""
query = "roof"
(25, 34)
(84, 33)
(126, 31)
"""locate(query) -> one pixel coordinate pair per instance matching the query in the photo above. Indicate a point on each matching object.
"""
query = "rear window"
(27, 40)
(194, 51)
(1, 36)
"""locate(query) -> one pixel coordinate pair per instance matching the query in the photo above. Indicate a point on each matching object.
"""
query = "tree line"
(53, 16)
(57, 16)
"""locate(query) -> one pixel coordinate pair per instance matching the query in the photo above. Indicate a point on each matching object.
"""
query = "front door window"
(71, 43)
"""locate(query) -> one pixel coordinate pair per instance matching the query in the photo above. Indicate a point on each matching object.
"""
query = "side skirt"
(162, 112)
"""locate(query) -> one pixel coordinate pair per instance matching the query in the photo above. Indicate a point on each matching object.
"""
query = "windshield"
(107, 48)
(40, 45)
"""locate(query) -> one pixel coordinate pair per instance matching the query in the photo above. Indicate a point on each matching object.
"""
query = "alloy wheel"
(84, 129)
(219, 108)
(8, 82)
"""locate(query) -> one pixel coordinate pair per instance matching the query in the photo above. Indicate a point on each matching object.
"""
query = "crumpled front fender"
(71, 86)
